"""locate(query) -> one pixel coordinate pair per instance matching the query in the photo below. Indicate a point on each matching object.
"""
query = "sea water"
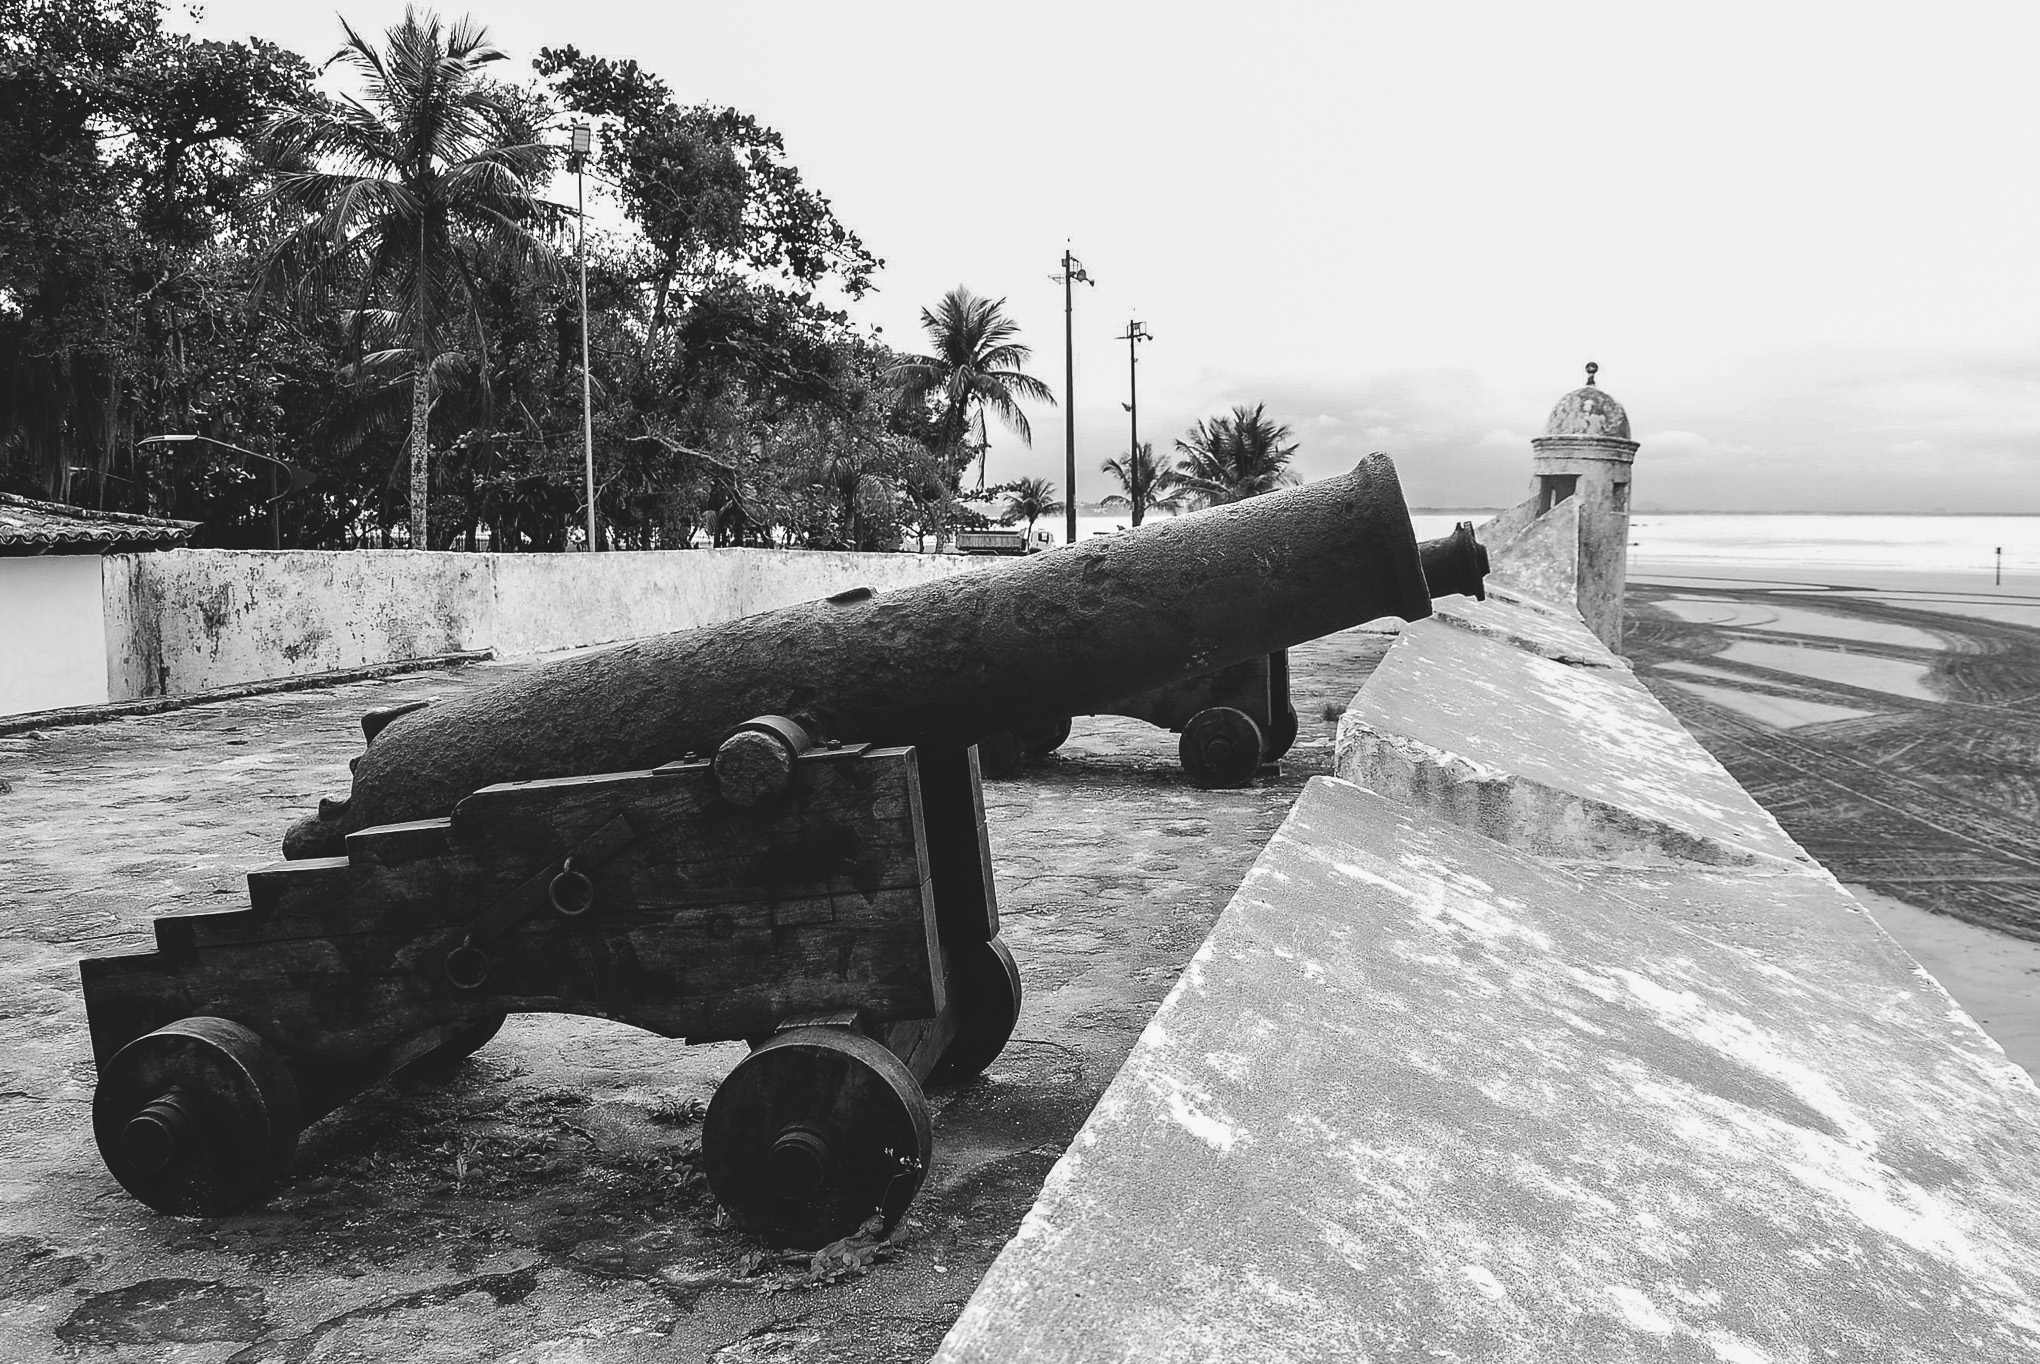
(1949, 544)
(1938, 544)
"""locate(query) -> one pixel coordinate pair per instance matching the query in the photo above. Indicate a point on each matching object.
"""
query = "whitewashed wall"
(84, 630)
(52, 635)
(192, 619)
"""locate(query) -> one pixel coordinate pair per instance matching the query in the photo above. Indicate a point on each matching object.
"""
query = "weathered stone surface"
(1505, 526)
(1562, 760)
(1421, 1096)
(1515, 595)
(192, 620)
(1545, 558)
(1563, 638)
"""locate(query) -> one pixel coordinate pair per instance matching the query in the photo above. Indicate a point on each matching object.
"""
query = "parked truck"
(1004, 540)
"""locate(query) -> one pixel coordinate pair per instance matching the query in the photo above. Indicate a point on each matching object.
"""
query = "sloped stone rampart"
(1565, 760)
(1537, 629)
(1421, 1095)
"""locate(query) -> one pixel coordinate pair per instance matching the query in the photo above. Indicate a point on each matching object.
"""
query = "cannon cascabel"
(1025, 642)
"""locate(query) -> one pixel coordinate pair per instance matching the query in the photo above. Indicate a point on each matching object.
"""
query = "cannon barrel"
(1032, 640)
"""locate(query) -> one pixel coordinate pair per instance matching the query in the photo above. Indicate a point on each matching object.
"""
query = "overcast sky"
(1800, 239)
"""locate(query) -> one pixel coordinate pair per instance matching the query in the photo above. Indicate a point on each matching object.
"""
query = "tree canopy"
(375, 285)
(1232, 457)
(977, 363)
(405, 201)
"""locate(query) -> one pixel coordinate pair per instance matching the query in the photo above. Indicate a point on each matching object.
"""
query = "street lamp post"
(278, 468)
(1072, 273)
(1136, 332)
(584, 141)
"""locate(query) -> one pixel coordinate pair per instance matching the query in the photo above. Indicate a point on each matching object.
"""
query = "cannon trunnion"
(833, 905)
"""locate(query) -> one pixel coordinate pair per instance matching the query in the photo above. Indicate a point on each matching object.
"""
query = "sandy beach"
(1890, 718)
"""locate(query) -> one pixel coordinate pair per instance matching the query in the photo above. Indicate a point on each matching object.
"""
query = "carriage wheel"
(814, 1132)
(1282, 735)
(198, 1118)
(1221, 747)
(984, 990)
(1038, 741)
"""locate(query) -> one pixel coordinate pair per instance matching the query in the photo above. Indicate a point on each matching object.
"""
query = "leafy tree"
(719, 342)
(1030, 500)
(401, 195)
(122, 195)
(709, 187)
(1146, 483)
(978, 362)
(1230, 458)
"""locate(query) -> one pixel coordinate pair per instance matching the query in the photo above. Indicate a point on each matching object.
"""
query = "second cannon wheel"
(814, 1132)
(1283, 736)
(1221, 747)
(984, 990)
(1038, 741)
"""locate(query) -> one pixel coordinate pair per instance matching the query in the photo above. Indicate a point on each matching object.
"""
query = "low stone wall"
(83, 631)
(193, 619)
(1531, 1036)
(559, 601)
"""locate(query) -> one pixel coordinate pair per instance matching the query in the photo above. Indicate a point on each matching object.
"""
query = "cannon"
(1239, 719)
(768, 830)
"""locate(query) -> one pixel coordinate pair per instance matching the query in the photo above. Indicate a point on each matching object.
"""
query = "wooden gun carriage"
(832, 904)
(819, 886)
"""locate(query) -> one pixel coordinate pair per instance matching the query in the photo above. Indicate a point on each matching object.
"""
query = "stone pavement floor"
(544, 1202)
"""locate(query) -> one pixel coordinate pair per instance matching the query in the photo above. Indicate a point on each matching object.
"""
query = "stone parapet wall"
(185, 621)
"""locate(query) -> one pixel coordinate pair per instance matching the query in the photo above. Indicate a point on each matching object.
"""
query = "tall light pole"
(1136, 332)
(584, 141)
(1072, 273)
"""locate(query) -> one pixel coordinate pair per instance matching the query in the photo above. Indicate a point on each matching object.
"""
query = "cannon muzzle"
(983, 650)
(1456, 564)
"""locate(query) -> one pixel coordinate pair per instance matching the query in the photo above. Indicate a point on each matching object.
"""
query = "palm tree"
(1234, 457)
(403, 193)
(1150, 485)
(1032, 499)
(977, 364)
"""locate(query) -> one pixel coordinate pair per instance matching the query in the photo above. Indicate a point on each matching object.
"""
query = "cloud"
(1676, 444)
(1812, 430)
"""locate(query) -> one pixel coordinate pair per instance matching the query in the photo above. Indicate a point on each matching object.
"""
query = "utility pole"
(1136, 332)
(1072, 273)
(584, 140)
